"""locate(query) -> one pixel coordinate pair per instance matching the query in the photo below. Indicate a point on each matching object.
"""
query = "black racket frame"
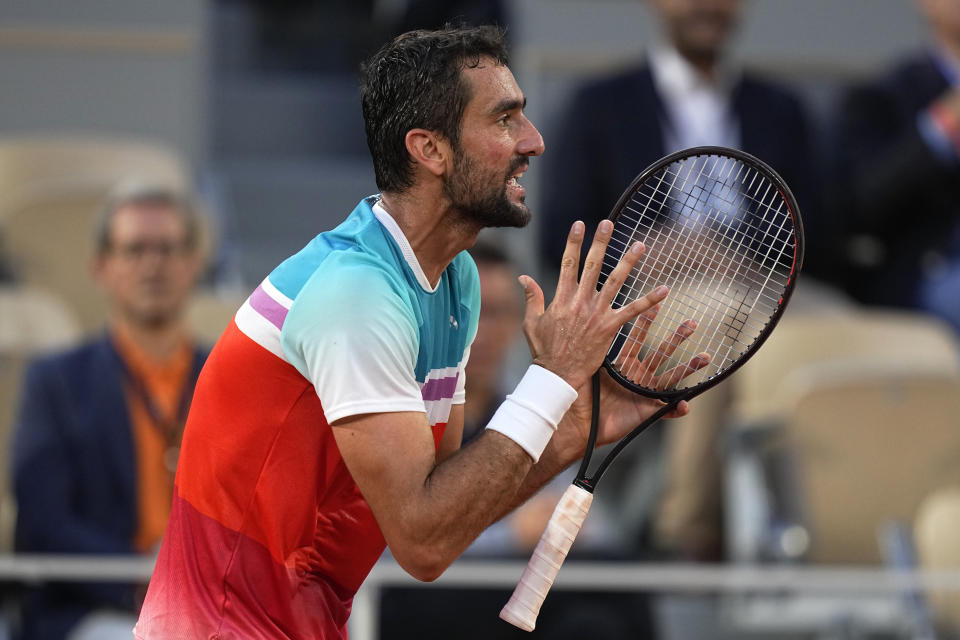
(672, 397)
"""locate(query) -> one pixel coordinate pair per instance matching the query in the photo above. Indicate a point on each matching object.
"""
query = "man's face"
(148, 269)
(496, 142)
(699, 29)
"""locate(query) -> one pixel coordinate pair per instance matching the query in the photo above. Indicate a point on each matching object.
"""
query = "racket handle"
(524, 605)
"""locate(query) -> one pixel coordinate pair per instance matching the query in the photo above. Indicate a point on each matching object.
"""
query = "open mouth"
(513, 180)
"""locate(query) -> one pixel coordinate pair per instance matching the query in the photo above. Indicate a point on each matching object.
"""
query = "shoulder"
(357, 277)
(916, 77)
(83, 357)
(915, 72)
(772, 92)
(350, 293)
(608, 91)
(75, 371)
(614, 81)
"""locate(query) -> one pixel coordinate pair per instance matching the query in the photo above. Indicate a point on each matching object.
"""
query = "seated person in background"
(498, 329)
(98, 428)
(898, 162)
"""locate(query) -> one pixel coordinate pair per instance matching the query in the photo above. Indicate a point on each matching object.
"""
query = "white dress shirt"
(699, 109)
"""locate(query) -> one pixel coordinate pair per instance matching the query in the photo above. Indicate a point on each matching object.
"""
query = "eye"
(504, 119)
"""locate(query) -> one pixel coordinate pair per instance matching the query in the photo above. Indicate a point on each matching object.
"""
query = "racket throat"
(582, 481)
(589, 483)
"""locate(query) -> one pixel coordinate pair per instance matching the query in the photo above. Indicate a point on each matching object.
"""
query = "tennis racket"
(722, 230)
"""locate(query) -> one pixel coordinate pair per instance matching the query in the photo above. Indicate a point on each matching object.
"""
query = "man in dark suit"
(898, 158)
(685, 94)
(99, 425)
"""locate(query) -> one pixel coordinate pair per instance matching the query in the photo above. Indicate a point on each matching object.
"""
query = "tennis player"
(326, 423)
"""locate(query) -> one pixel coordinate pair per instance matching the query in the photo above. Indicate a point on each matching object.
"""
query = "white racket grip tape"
(524, 605)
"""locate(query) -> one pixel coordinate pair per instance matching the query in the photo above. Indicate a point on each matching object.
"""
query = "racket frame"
(674, 396)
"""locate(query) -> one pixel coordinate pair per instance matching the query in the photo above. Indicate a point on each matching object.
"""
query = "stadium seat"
(840, 424)
(938, 548)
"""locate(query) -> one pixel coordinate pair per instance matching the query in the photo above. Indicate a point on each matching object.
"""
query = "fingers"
(594, 260)
(682, 409)
(644, 372)
(673, 377)
(654, 360)
(627, 359)
(620, 273)
(643, 303)
(569, 264)
(534, 301)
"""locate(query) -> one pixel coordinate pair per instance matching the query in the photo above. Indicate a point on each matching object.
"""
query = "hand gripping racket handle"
(524, 605)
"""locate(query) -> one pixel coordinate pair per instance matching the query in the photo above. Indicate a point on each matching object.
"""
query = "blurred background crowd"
(158, 159)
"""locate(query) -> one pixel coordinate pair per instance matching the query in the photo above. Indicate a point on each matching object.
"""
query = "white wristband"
(530, 414)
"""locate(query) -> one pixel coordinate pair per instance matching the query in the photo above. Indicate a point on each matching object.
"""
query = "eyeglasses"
(136, 251)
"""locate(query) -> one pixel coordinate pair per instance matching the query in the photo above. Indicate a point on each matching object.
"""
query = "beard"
(482, 199)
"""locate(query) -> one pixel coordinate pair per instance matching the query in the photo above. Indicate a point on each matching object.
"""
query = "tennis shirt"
(269, 536)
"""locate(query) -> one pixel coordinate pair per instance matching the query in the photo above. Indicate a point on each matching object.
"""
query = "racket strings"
(723, 330)
(735, 326)
(744, 244)
(707, 265)
(720, 234)
(743, 226)
(711, 262)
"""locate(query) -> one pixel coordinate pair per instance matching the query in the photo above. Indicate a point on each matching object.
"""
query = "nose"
(531, 142)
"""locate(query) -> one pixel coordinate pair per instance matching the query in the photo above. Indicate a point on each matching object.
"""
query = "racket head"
(723, 231)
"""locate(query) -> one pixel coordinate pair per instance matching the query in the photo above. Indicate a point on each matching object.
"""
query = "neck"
(159, 341)
(705, 65)
(432, 228)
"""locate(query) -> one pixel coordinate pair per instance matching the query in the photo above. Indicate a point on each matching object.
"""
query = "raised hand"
(621, 410)
(572, 335)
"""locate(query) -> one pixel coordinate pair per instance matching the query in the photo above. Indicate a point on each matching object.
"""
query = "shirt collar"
(396, 233)
(675, 77)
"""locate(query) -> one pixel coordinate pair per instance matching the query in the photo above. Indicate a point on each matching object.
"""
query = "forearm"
(462, 496)
(466, 492)
(563, 450)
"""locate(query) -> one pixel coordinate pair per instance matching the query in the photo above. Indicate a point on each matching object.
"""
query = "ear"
(429, 150)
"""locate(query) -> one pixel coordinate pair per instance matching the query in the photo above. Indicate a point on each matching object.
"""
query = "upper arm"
(355, 338)
(389, 456)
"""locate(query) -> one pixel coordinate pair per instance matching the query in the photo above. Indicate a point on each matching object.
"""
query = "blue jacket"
(74, 477)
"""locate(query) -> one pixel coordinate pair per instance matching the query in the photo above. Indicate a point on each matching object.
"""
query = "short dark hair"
(415, 81)
(145, 194)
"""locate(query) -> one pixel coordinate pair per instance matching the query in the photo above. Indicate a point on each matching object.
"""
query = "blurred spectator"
(687, 93)
(898, 158)
(96, 437)
(498, 329)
